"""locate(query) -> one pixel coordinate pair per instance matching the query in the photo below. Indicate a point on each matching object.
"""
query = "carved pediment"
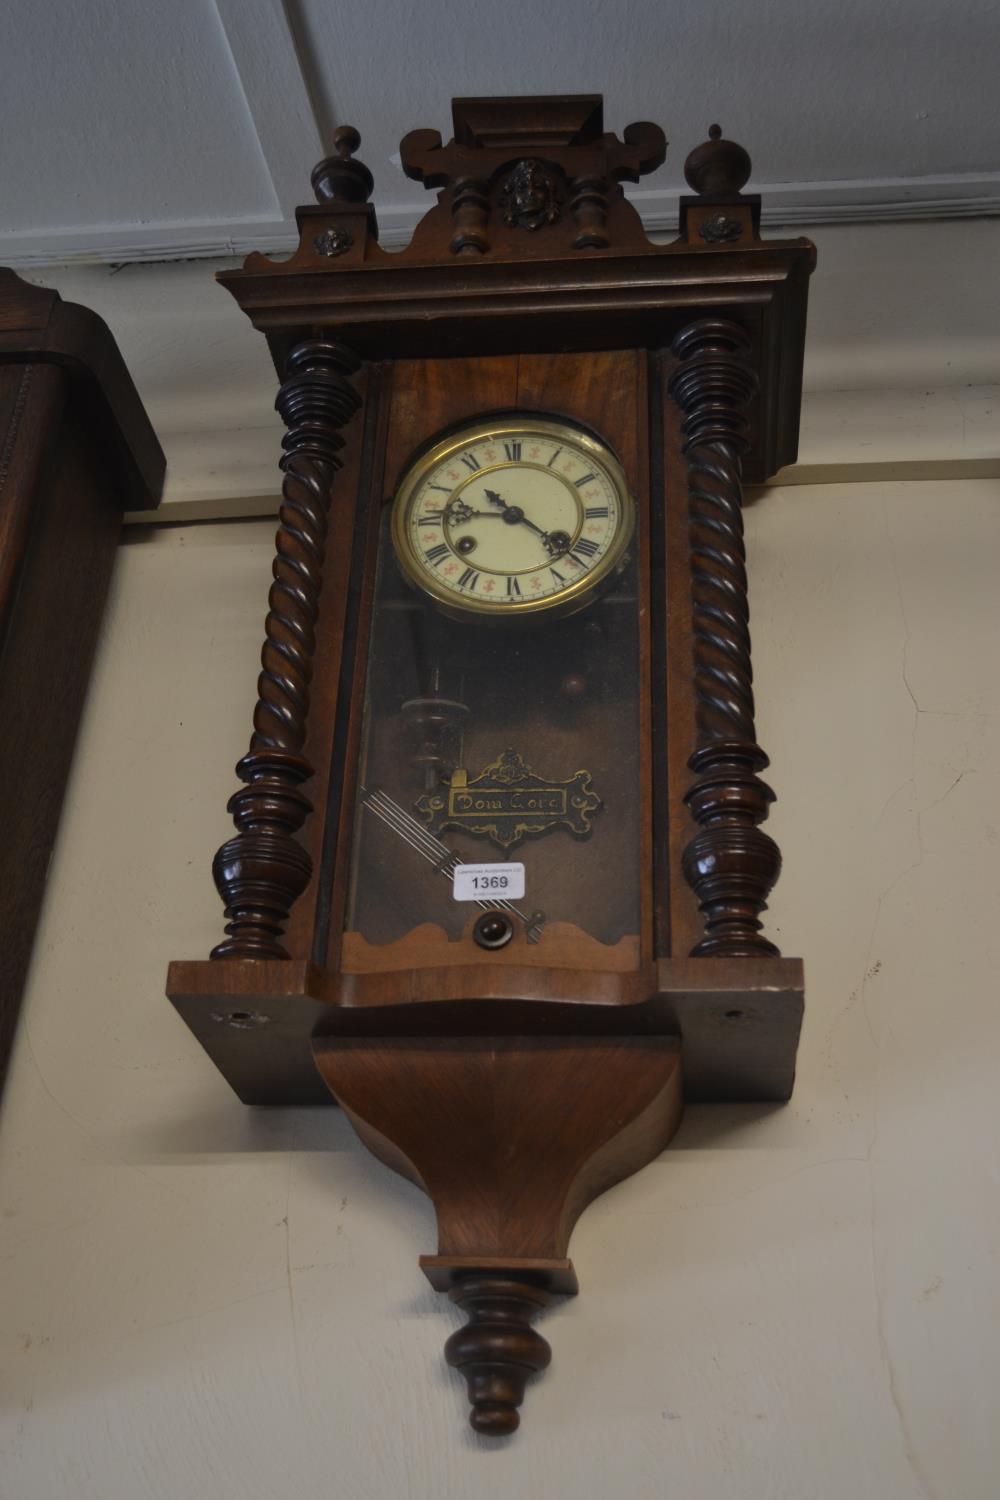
(515, 165)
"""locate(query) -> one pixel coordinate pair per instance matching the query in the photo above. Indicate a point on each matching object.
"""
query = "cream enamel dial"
(513, 516)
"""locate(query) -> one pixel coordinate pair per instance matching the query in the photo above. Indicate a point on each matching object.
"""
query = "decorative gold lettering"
(507, 812)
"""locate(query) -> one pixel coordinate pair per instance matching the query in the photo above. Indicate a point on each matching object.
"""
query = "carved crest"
(530, 196)
(508, 801)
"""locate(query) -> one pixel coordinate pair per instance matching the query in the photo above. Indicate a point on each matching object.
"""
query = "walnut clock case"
(76, 451)
(498, 869)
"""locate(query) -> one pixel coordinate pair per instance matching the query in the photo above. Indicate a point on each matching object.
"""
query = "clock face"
(512, 517)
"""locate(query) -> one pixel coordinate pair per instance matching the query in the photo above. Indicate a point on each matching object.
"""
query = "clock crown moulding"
(533, 186)
(530, 386)
(521, 175)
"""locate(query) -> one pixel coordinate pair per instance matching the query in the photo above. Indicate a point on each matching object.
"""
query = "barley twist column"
(730, 863)
(263, 870)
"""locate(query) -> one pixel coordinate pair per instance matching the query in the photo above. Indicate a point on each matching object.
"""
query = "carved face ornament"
(529, 196)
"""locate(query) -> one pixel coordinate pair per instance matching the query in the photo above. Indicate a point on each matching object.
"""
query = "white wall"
(203, 1301)
(900, 380)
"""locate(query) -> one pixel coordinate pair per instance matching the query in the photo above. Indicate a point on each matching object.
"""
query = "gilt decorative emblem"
(530, 196)
(333, 242)
(508, 801)
(721, 229)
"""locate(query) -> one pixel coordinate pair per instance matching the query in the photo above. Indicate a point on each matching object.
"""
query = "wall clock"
(498, 872)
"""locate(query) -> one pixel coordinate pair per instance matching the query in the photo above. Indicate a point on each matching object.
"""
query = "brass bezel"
(568, 600)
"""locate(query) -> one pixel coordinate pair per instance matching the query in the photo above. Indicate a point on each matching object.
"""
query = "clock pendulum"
(497, 876)
(445, 862)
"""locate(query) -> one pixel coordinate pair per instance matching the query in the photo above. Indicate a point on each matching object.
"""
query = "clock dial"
(513, 517)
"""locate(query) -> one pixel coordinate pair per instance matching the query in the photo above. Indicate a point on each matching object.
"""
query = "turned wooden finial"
(717, 167)
(497, 1351)
(338, 179)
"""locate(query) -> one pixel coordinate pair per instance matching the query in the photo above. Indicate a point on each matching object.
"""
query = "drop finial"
(497, 1350)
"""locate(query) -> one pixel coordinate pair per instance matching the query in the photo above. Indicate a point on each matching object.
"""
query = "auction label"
(498, 882)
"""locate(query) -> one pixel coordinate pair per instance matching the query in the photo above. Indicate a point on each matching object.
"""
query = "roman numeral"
(469, 579)
(588, 548)
(596, 512)
(513, 452)
(432, 520)
(436, 554)
(553, 458)
(471, 462)
(556, 574)
(513, 588)
(585, 480)
(442, 487)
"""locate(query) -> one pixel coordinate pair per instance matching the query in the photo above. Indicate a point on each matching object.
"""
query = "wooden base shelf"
(738, 1021)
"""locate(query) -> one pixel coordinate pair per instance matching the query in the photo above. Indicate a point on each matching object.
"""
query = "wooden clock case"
(514, 1088)
(76, 451)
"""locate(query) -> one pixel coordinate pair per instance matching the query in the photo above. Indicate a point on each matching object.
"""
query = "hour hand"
(513, 514)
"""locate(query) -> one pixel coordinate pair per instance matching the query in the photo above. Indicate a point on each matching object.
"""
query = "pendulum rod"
(437, 853)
